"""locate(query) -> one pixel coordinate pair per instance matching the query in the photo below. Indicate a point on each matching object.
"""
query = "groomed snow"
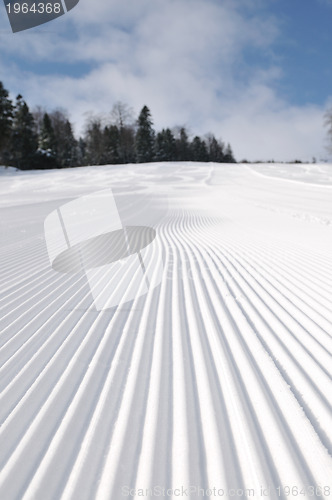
(219, 379)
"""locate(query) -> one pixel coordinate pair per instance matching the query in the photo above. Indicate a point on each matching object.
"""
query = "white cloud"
(183, 58)
(283, 134)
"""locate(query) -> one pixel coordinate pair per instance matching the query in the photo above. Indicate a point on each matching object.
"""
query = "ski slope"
(215, 384)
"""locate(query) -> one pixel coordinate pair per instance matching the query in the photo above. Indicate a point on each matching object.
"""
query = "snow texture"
(219, 378)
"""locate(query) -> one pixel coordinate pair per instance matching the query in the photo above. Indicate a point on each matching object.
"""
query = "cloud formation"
(190, 61)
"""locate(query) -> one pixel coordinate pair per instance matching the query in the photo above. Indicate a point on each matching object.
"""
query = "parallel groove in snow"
(220, 376)
(274, 406)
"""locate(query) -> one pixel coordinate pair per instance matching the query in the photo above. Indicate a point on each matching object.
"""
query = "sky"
(255, 73)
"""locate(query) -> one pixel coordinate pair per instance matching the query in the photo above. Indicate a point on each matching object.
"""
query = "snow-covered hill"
(215, 384)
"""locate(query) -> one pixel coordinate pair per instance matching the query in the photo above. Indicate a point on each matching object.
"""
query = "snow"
(219, 378)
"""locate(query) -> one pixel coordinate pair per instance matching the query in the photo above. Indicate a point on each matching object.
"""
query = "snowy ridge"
(219, 378)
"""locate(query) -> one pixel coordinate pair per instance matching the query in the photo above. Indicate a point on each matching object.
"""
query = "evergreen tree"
(47, 147)
(69, 152)
(66, 146)
(46, 136)
(216, 150)
(199, 150)
(145, 137)
(81, 152)
(6, 120)
(170, 145)
(24, 141)
(165, 147)
(182, 146)
(160, 152)
(229, 158)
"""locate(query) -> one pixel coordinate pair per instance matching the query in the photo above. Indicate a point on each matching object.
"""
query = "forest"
(41, 139)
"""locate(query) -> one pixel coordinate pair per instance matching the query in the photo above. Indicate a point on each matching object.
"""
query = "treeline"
(35, 140)
(41, 140)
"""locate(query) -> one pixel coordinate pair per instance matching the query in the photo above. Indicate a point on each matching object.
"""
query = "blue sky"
(304, 49)
(257, 73)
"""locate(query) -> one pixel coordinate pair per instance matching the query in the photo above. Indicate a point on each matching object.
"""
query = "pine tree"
(6, 120)
(182, 146)
(65, 144)
(216, 150)
(24, 141)
(160, 152)
(199, 150)
(145, 137)
(46, 154)
(68, 155)
(47, 145)
(81, 152)
(46, 136)
(229, 158)
(165, 147)
(170, 145)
